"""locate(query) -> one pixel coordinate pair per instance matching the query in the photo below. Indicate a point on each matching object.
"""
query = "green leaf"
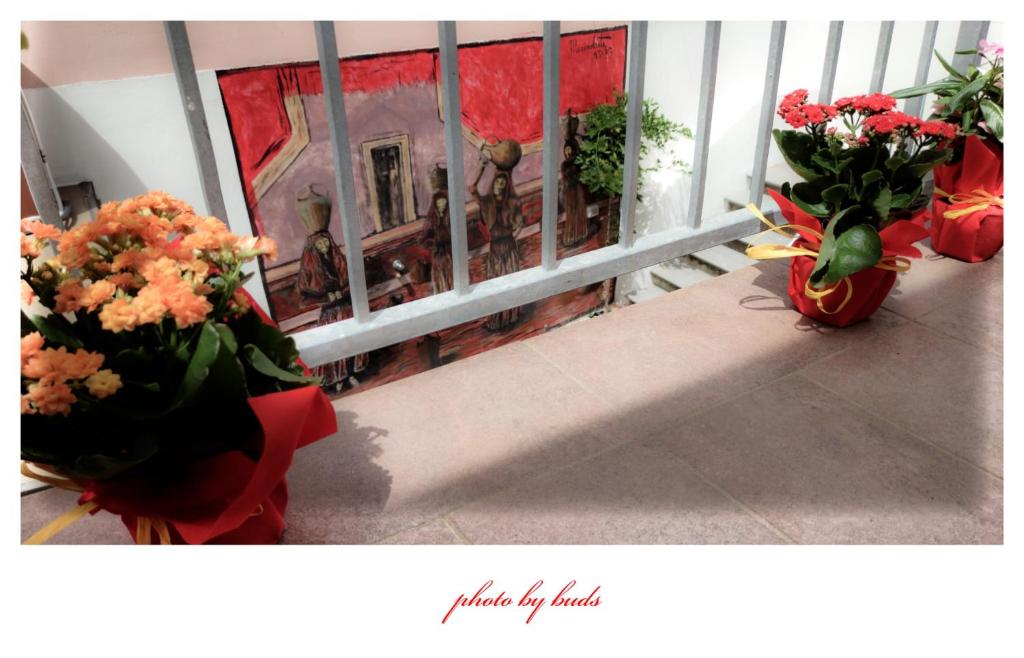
(836, 194)
(870, 177)
(993, 118)
(199, 366)
(952, 71)
(56, 329)
(968, 91)
(858, 248)
(971, 51)
(798, 150)
(227, 375)
(882, 203)
(827, 248)
(926, 161)
(808, 198)
(921, 90)
(898, 159)
(826, 163)
(227, 337)
(264, 365)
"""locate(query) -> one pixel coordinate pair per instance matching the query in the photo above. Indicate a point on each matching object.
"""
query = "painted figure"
(502, 214)
(323, 279)
(574, 229)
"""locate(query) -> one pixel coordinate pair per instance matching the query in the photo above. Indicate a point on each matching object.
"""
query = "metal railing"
(368, 330)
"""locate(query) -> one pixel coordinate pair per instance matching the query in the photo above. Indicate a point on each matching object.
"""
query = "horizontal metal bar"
(967, 38)
(915, 106)
(828, 73)
(195, 116)
(451, 96)
(705, 107)
(634, 112)
(881, 56)
(436, 312)
(330, 72)
(764, 128)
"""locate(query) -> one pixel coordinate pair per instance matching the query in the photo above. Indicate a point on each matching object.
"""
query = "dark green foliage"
(603, 144)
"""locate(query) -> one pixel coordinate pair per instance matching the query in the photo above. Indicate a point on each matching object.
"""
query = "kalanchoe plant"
(862, 163)
(971, 101)
(150, 349)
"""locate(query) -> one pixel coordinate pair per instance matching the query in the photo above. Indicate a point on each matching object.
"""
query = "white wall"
(129, 136)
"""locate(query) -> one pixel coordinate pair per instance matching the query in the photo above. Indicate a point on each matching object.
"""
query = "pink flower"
(990, 48)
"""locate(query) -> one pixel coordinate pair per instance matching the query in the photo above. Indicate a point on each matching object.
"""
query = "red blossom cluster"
(866, 104)
(888, 123)
(797, 112)
(880, 117)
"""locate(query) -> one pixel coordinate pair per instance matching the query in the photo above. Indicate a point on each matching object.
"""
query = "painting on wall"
(394, 109)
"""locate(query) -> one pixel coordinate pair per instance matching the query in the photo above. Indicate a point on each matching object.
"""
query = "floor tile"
(696, 347)
(629, 495)
(824, 471)
(937, 387)
(976, 318)
(435, 532)
(39, 508)
(935, 281)
(409, 451)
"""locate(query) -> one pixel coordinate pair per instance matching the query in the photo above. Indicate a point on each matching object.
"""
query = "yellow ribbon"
(144, 524)
(58, 524)
(979, 198)
(766, 251)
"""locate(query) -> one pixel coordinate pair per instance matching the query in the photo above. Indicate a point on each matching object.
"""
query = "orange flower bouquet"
(154, 386)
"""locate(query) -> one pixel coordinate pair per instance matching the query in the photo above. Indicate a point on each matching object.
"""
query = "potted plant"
(154, 386)
(860, 207)
(967, 208)
(602, 150)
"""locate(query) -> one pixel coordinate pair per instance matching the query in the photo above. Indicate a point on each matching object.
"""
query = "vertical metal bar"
(706, 104)
(967, 38)
(915, 106)
(764, 126)
(634, 112)
(452, 100)
(330, 71)
(828, 73)
(37, 174)
(881, 56)
(195, 116)
(549, 221)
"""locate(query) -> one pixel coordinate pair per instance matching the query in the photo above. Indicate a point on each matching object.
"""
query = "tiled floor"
(714, 414)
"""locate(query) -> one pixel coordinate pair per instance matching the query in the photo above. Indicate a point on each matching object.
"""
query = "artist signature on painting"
(597, 45)
(532, 601)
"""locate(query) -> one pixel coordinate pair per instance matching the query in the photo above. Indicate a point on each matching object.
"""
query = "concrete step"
(29, 485)
(723, 258)
(645, 294)
(762, 238)
(671, 276)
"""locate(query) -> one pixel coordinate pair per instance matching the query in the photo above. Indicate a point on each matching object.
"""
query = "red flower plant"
(865, 104)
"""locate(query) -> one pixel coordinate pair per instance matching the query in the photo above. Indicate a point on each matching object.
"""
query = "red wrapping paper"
(870, 286)
(230, 498)
(979, 235)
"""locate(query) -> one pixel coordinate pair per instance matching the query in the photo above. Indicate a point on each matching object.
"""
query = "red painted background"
(501, 85)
